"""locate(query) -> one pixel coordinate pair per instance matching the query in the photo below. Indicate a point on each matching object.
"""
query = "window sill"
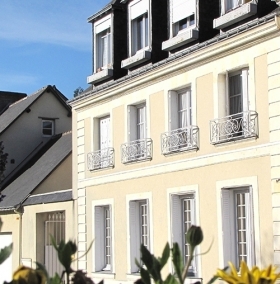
(100, 76)
(103, 274)
(180, 39)
(140, 57)
(235, 16)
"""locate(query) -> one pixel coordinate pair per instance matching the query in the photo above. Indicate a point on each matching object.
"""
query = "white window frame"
(139, 9)
(244, 77)
(100, 263)
(134, 124)
(174, 110)
(102, 28)
(229, 5)
(234, 233)
(189, 190)
(182, 10)
(178, 226)
(236, 183)
(47, 128)
(133, 203)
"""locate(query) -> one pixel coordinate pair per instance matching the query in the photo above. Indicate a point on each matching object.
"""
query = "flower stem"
(186, 269)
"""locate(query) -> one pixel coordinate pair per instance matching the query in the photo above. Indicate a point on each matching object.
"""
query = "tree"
(78, 91)
(3, 161)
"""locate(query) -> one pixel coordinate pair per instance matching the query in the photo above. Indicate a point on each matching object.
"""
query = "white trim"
(183, 190)
(104, 202)
(238, 183)
(132, 197)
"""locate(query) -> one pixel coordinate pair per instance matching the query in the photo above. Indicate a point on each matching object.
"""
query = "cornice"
(232, 44)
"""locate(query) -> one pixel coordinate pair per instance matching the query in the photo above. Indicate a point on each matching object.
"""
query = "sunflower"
(246, 276)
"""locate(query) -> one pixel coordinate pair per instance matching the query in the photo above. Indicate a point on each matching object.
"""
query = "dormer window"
(228, 5)
(103, 46)
(183, 24)
(140, 33)
(139, 25)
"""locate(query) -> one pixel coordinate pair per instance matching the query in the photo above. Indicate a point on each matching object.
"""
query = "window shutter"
(173, 110)
(139, 9)
(245, 89)
(99, 238)
(250, 228)
(227, 94)
(109, 48)
(132, 123)
(176, 219)
(227, 216)
(182, 9)
(189, 107)
(134, 234)
(105, 133)
(102, 26)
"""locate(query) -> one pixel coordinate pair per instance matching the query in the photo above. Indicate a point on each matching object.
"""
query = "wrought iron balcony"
(101, 159)
(178, 140)
(137, 150)
(234, 127)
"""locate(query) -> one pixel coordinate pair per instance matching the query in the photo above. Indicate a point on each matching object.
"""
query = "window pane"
(235, 94)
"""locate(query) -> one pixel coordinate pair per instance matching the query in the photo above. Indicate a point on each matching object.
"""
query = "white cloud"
(48, 21)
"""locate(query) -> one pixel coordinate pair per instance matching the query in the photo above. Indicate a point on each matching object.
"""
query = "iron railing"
(136, 150)
(233, 127)
(101, 159)
(182, 139)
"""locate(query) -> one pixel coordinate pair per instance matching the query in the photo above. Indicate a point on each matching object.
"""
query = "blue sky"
(46, 42)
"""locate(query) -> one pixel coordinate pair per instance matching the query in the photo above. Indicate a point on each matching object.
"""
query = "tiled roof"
(52, 197)
(20, 189)
(17, 108)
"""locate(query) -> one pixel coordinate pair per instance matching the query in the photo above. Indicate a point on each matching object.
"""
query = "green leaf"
(138, 264)
(214, 278)
(54, 243)
(177, 261)
(165, 255)
(170, 280)
(146, 257)
(145, 276)
(5, 253)
(43, 268)
(55, 280)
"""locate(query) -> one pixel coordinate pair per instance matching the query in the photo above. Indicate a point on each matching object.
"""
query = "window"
(137, 126)
(180, 109)
(183, 15)
(139, 26)
(104, 133)
(237, 223)
(182, 217)
(103, 49)
(103, 238)
(228, 5)
(139, 230)
(103, 44)
(47, 127)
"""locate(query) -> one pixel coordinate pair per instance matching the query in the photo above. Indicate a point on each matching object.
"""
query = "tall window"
(140, 33)
(104, 132)
(139, 25)
(104, 49)
(180, 109)
(182, 217)
(237, 226)
(238, 91)
(137, 122)
(103, 46)
(103, 238)
(139, 229)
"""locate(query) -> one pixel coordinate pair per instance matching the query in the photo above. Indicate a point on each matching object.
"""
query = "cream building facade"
(191, 139)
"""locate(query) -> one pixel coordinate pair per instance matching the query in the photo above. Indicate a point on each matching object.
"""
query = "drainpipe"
(20, 210)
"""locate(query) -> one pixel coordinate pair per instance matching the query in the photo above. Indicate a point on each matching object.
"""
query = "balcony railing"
(137, 150)
(101, 159)
(234, 127)
(182, 139)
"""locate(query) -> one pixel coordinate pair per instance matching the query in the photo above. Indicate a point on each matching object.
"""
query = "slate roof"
(20, 189)
(58, 196)
(16, 109)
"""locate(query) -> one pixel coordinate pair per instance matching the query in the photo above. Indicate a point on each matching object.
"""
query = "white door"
(6, 267)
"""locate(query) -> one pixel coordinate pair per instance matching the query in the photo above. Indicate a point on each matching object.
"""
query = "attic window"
(47, 128)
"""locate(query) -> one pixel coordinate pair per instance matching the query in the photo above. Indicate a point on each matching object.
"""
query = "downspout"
(20, 210)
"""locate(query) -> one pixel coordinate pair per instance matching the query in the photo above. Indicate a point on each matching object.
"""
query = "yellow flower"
(246, 276)
(26, 275)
